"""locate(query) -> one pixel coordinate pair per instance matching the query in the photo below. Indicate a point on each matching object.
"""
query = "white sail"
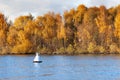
(36, 57)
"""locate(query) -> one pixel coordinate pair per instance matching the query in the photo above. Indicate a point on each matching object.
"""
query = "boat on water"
(36, 59)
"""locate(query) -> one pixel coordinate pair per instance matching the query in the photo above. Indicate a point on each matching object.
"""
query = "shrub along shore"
(81, 30)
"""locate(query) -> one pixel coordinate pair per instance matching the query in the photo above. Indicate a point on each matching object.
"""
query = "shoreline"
(53, 54)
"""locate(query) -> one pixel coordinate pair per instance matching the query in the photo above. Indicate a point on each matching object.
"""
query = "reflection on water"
(36, 64)
(48, 74)
(60, 68)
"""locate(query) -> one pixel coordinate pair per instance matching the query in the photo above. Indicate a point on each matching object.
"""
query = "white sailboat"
(36, 59)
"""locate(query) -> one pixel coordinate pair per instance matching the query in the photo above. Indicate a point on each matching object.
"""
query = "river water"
(84, 67)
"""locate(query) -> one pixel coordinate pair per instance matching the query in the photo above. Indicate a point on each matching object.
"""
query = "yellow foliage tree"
(104, 27)
(21, 21)
(3, 33)
(117, 25)
(24, 45)
(78, 15)
(113, 48)
(91, 47)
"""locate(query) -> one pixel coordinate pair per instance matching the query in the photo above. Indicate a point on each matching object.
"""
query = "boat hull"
(37, 61)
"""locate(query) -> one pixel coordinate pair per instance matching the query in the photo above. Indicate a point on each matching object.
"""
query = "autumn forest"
(79, 30)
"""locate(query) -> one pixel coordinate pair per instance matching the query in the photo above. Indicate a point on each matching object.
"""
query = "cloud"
(15, 8)
(107, 3)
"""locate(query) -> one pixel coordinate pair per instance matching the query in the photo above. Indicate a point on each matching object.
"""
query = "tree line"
(78, 30)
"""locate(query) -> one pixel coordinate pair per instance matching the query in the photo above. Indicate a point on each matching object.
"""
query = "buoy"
(36, 59)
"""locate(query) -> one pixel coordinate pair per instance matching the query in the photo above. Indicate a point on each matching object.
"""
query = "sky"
(15, 8)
